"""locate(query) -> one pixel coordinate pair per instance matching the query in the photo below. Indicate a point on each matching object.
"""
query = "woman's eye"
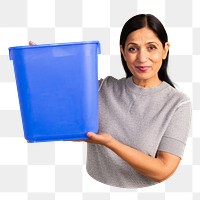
(132, 49)
(152, 47)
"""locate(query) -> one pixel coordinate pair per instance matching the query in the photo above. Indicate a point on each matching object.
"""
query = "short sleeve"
(176, 134)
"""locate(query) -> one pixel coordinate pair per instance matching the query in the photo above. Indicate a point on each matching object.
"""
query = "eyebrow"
(147, 43)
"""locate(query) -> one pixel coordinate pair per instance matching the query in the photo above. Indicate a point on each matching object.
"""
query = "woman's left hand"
(100, 138)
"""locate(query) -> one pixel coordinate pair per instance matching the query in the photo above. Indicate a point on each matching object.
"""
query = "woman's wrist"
(111, 143)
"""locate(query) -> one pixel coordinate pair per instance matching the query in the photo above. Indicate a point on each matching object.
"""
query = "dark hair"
(150, 21)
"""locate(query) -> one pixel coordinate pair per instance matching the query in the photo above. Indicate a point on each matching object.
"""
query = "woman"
(143, 120)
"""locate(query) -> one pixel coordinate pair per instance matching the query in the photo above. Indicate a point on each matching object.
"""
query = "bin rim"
(54, 45)
(11, 49)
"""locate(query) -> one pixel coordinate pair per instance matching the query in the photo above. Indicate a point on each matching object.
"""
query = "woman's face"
(143, 53)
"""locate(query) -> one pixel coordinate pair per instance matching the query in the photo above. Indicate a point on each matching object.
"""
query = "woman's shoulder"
(178, 94)
(110, 81)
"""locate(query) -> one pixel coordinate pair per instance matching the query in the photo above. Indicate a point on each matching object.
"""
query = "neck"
(147, 83)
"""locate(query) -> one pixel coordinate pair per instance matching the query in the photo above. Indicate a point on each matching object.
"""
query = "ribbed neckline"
(144, 91)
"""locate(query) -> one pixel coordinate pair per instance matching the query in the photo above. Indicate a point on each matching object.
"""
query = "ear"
(122, 51)
(165, 50)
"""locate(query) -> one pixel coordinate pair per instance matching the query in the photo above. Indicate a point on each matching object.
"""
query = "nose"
(142, 56)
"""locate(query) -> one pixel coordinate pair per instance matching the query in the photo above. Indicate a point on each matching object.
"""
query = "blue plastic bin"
(58, 89)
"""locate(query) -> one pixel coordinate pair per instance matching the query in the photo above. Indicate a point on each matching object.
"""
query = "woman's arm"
(158, 169)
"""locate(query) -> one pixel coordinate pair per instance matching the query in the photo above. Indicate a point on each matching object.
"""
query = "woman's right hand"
(32, 43)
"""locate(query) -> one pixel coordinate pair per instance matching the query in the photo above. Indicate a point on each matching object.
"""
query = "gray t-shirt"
(147, 119)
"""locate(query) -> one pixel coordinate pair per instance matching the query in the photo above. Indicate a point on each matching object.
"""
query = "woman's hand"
(32, 43)
(100, 138)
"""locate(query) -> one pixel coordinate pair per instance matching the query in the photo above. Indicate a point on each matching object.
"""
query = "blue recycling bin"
(57, 87)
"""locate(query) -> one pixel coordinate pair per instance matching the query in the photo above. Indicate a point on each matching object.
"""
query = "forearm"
(158, 169)
(148, 166)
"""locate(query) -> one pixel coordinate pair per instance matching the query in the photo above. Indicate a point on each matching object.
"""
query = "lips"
(142, 68)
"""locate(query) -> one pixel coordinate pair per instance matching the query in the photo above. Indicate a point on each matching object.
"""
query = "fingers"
(32, 43)
(100, 138)
(93, 136)
(97, 138)
(90, 134)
